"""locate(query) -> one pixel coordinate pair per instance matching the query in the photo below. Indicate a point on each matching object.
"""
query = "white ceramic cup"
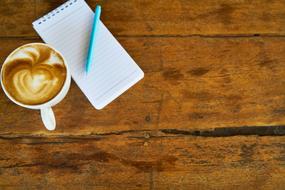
(47, 114)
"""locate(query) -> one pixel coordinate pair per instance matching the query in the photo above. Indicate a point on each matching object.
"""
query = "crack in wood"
(265, 35)
(46, 165)
(160, 133)
(231, 131)
(94, 136)
(151, 181)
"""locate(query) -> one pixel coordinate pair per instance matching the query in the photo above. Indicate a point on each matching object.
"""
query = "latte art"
(34, 74)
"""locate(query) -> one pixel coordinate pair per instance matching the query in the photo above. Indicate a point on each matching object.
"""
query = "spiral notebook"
(67, 28)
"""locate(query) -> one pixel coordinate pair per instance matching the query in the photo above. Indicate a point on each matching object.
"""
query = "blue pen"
(92, 38)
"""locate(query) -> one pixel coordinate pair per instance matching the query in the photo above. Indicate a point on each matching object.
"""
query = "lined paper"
(113, 71)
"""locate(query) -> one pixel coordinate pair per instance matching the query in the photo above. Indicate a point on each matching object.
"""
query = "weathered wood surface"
(136, 161)
(209, 114)
(200, 83)
(163, 17)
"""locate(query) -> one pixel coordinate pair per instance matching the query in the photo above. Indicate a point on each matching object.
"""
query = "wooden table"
(209, 114)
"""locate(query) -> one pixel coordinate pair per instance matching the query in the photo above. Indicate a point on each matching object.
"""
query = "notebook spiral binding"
(56, 11)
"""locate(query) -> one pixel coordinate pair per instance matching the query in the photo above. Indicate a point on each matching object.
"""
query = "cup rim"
(45, 104)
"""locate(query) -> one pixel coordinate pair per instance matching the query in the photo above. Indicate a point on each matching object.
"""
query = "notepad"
(68, 28)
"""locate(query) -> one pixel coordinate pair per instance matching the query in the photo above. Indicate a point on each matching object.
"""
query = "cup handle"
(48, 118)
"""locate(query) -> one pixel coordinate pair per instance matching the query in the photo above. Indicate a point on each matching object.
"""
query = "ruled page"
(113, 71)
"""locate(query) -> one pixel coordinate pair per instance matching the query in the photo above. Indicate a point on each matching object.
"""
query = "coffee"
(34, 74)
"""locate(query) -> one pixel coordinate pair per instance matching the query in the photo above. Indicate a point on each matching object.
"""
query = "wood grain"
(190, 84)
(135, 161)
(209, 114)
(167, 17)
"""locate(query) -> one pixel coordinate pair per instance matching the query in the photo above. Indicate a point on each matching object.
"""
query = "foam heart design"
(35, 85)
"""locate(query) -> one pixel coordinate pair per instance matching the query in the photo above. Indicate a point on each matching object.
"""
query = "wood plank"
(134, 161)
(190, 84)
(168, 17)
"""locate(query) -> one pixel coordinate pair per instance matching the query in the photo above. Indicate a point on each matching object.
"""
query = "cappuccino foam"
(34, 74)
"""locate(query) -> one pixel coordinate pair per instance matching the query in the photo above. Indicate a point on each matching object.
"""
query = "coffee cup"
(38, 79)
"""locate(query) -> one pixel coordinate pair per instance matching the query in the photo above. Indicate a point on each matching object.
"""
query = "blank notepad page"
(68, 28)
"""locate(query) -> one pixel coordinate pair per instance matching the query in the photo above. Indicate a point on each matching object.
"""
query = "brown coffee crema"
(34, 74)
